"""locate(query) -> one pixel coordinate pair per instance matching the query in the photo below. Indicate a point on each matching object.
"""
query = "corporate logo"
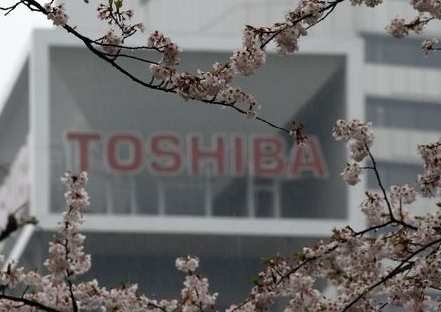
(169, 153)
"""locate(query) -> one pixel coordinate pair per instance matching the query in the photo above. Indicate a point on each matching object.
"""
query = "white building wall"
(405, 82)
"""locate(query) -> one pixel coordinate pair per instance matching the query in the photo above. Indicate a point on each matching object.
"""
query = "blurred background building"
(400, 84)
(170, 178)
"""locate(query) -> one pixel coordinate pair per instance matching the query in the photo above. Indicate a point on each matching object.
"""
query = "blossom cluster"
(378, 209)
(374, 208)
(359, 137)
(428, 45)
(246, 61)
(208, 86)
(402, 194)
(113, 14)
(106, 12)
(427, 10)
(66, 258)
(170, 50)
(56, 14)
(111, 43)
(351, 173)
(57, 290)
(399, 28)
(430, 180)
(195, 295)
(432, 7)
(187, 263)
(66, 255)
(382, 269)
(357, 134)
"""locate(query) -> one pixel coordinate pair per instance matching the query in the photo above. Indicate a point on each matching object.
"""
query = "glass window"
(401, 113)
(383, 49)
(394, 173)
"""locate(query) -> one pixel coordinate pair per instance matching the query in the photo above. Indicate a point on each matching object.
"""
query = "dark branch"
(29, 303)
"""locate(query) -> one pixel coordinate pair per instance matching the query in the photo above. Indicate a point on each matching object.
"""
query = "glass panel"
(407, 114)
(395, 173)
(264, 203)
(382, 49)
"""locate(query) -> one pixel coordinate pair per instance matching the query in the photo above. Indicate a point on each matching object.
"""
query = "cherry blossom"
(402, 194)
(170, 49)
(351, 174)
(57, 14)
(430, 180)
(187, 264)
(374, 208)
(111, 42)
(428, 45)
(357, 134)
(397, 28)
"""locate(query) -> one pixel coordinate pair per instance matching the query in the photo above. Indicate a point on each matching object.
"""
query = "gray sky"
(15, 31)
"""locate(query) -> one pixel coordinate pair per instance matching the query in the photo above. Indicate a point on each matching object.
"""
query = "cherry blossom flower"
(187, 264)
(351, 174)
(402, 194)
(357, 134)
(111, 43)
(57, 14)
(428, 45)
(170, 49)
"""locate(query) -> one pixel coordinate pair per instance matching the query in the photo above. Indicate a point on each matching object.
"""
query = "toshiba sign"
(150, 154)
(169, 154)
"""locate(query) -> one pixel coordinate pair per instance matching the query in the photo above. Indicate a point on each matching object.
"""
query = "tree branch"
(29, 303)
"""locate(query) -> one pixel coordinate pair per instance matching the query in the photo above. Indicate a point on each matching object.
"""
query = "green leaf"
(266, 260)
(299, 256)
(343, 275)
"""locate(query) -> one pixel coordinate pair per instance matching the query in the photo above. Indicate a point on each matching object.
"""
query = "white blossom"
(351, 174)
(57, 14)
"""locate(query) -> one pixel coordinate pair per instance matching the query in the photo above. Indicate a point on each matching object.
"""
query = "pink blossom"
(357, 134)
(187, 264)
(57, 14)
(351, 174)
(428, 45)
(111, 43)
